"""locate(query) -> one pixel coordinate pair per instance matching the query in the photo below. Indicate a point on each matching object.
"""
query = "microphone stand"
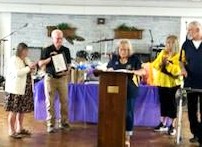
(151, 46)
(2, 41)
(103, 40)
(2, 56)
(4, 38)
(106, 45)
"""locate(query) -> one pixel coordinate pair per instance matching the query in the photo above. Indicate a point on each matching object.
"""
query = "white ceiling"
(114, 7)
(174, 3)
(66, 1)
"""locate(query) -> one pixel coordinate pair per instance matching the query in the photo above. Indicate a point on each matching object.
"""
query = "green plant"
(63, 26)
(124, 27)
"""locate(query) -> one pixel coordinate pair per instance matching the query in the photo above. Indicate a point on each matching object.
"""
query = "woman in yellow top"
(168, 81)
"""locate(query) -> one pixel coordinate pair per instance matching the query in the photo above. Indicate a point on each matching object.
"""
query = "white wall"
(5, 29)
(36, 33)
(83, 14)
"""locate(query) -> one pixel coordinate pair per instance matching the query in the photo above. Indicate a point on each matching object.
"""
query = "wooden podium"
(112, 109)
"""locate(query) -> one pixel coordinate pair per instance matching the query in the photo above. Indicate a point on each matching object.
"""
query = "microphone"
(150, 32)
(103, 40)
(3, 40)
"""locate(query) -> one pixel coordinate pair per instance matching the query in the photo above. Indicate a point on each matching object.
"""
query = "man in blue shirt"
(193, 78)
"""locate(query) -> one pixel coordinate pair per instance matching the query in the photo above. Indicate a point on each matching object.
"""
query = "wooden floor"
(84, 135)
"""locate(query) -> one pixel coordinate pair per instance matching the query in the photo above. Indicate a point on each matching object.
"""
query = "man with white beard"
(192, 48)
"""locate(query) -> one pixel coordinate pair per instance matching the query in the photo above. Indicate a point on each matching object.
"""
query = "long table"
(83, 104)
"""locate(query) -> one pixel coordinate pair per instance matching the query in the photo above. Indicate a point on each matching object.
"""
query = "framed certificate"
(59, 63)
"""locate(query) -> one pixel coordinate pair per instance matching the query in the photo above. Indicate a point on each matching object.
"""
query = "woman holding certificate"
(125, 59)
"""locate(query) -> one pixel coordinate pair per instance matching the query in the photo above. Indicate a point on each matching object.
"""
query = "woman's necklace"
(123, 60)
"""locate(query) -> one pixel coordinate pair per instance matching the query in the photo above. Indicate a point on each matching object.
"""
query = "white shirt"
(16, 75)
(196, 43)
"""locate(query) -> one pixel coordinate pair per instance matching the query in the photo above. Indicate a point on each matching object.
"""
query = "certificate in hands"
(59, 63)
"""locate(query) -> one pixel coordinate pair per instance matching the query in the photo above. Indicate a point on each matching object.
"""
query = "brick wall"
(36, 34)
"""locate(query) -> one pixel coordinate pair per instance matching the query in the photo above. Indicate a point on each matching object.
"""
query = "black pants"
(199, 132)
(168, 103)
(195, 123)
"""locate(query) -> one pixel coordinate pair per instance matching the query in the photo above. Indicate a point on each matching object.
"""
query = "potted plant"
(64, 27)
(128, 32)
(69, 32)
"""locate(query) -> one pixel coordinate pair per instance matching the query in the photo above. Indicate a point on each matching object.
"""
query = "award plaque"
(59, 63)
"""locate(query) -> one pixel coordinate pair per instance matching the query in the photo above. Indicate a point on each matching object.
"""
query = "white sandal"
(127, 143)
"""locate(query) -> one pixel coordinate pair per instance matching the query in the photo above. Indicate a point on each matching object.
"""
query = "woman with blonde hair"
(168, 81)
(126, 59)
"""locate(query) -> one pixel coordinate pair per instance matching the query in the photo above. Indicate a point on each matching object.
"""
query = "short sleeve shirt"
(46, 54)
(133, 64)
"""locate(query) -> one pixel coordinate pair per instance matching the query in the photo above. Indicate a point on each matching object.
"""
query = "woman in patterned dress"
(19, 97)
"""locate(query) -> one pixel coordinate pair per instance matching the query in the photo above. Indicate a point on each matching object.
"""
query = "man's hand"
(44, 62)
(184, 72)
(32, 65)
(53, 53)
(48, 60)
(64, 73)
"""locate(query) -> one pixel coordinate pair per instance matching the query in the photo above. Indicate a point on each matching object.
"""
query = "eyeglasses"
(124, 49)
(59, 38)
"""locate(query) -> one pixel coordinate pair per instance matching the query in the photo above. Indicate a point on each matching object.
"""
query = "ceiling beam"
(102, 10)
(114, 3)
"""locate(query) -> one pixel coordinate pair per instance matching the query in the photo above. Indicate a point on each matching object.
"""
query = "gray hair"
(56, 31)
(195, 24)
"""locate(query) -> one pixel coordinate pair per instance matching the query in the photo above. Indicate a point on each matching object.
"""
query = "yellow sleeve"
(136, 80)
(174, 68)
(157, 62)
(183, 58)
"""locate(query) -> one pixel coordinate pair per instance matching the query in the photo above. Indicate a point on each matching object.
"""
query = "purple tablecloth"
(83, 104)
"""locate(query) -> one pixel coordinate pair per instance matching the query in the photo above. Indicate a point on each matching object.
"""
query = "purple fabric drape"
(83, 104)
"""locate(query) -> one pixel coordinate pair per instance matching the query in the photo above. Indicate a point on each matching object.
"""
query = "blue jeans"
(130, 115)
